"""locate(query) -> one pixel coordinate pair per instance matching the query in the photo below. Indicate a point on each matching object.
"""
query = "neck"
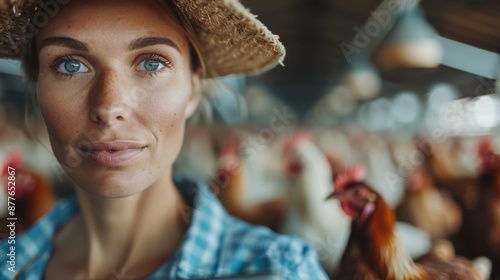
(385, 251)
(121, 234)
(315, 179)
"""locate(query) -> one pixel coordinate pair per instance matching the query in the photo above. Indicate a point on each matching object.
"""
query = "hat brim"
(230, 40)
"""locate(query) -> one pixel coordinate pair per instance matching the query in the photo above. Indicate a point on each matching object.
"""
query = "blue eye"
(151, 65)
(72, 66)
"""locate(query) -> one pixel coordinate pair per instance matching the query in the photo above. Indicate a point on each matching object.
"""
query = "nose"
(108, 104)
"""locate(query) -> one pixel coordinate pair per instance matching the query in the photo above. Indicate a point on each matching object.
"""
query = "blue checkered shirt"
(216, 244)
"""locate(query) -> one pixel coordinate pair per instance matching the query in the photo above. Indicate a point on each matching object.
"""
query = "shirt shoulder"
(255, 249)
(220, 245)
(30, 245)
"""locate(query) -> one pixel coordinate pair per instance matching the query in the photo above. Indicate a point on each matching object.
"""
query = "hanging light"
(412, 43)
(485, 111)
(362, 79)
(377, 115)
(406, 108)
(338, 101)
(440, 96)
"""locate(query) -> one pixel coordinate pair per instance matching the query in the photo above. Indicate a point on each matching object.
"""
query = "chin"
(112, 184)
(114, 190)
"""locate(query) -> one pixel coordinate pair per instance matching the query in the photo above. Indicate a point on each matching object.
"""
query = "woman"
(115, 82)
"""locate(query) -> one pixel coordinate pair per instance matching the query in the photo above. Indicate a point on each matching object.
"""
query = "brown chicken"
(428, 208)
(375, 252)
(481, 224)
(230, 184)
(33, 193)
(445, 172)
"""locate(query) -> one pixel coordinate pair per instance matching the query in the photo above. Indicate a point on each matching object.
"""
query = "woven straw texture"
(230, 40)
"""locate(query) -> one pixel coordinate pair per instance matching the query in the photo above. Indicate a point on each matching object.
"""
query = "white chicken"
(311, 182)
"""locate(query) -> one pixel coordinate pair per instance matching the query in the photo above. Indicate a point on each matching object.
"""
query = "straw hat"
(230, 40)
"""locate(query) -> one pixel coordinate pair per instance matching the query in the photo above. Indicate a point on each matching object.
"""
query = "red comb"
(485, 146)
(230, 145)
(14, 159)
(415, 180)
(293, 140)
(355, 173)
(487, 158)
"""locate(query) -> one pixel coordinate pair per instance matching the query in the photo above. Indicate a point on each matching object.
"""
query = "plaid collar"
(200, 251)
(216, 244)
(196, 257)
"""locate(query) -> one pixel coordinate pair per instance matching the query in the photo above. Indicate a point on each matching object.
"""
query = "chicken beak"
(333, 195)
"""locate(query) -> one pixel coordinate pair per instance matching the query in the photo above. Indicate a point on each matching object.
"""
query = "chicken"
(449, 170)
(481, 224)
(324, 225)
(339, 155)
(33, 193)
(321, 224)
(236, 190)
(428, 208)
(383, 172)
(375, 252)
(415, 240)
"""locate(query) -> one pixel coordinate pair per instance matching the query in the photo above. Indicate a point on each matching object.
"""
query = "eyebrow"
(63, 41)
(151, 41)
(136, 44)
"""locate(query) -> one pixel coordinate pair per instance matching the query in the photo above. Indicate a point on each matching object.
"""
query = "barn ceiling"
(312, 31)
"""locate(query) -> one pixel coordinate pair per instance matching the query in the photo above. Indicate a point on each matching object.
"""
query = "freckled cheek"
(166, 117)
(58, 115)
(166, 120)
(165, 103)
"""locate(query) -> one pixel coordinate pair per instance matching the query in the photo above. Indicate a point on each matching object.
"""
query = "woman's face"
(115, 86)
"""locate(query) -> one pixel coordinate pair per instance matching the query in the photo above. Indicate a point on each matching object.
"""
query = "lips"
(111, 154)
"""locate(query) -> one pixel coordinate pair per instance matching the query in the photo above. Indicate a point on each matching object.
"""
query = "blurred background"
(409, 89)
